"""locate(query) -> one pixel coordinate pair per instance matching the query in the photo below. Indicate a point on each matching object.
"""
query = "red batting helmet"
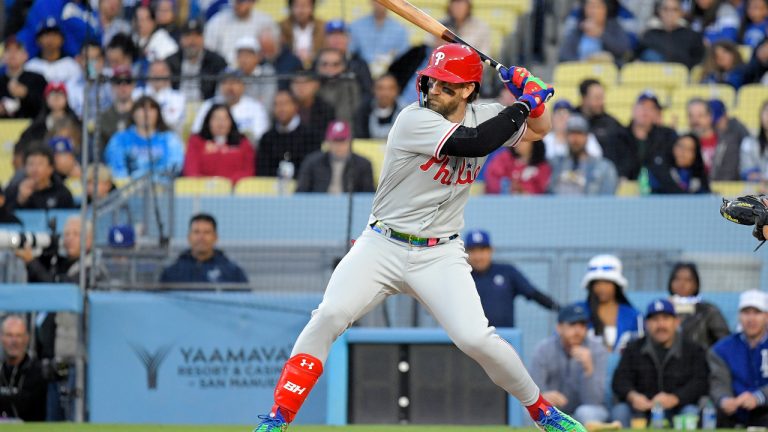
(453, 63)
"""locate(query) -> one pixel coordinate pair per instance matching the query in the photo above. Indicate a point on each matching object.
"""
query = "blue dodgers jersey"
(748, 366)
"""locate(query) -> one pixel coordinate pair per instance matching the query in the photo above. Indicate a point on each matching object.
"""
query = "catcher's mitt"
(747, 210)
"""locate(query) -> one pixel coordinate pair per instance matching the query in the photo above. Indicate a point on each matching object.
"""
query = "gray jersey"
(421, 192)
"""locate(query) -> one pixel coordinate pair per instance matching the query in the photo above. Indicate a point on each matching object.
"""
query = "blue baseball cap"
(477, 239)
(573, 313)
(660, 306)
(60, 144)
(717, 107)
(562, 104)
(336, 25)
(649, 96)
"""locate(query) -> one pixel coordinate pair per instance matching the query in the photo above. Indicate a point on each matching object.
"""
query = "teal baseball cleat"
(552, 419)
(271, 423)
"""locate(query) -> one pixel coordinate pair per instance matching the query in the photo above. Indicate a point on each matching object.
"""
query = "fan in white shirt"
(228, 25)
(249, 114)
(52, 64)
(172, 102)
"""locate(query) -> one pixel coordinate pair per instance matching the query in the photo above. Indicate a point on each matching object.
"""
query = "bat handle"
(452, 37)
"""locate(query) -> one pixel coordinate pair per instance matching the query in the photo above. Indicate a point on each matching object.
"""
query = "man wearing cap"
(337, 37)
(64, 162)
(51, 62)
(260, 79)
(249, 114)
(194, 59)
(337, 170)
(555, 141)
(378, 39)
(648, 139)
(337, 87)
(570, 367)
(499, 284)
(21, 91)
(721, 138)
(661, 368)
(229, 24)
(578, 173)
(118, 116)
(738, 382)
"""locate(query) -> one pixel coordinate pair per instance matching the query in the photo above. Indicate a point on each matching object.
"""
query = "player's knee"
(471, 344)
(333, 317)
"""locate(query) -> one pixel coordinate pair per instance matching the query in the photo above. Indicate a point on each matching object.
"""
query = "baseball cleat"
(552, 419)
(272, 422)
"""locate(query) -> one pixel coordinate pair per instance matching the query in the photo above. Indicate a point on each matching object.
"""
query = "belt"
(410, 239)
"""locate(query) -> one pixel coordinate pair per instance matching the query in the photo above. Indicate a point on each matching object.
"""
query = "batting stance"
(434, 152)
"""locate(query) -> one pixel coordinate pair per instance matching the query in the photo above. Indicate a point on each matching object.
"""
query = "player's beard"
(444, 109)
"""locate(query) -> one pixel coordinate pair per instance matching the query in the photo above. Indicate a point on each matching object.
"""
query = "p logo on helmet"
(452, 63)
(439, 56)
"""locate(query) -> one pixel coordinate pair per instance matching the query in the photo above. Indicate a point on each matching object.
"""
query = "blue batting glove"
(514, 78)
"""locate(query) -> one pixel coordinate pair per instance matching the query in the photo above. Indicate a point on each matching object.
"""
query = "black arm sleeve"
(488, 135)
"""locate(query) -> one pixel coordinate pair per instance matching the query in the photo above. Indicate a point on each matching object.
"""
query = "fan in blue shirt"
(499, 284)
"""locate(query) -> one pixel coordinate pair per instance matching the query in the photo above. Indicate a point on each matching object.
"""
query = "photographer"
(50, 267)
(22, 387)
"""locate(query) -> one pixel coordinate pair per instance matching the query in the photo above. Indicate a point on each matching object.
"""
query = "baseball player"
(411, 244)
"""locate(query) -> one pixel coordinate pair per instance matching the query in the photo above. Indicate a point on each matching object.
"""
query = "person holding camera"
(51, 267)
(22, 386)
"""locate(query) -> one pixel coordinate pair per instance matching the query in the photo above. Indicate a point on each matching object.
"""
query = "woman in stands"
(701, 322)
(147, 145)
(686, 169)
(723, 65)
(522, 169)
(466, 26)
(754, 28)
(754, 151)
(56, 113)
(219, 149)
(715, 19)
(598, 36)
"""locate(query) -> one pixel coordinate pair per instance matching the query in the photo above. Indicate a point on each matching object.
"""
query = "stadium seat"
(373, 150)
(186, 186)
(261, 186)
(676, 117)
(573, 73)
(730, 189)
(626, 95)
(10, 131)
(749, 116)
(725, 93)
(753, 96)
(746, 52)
(694, 77)
(278, 10)
(75, 186)
(628, 188)
(569, 93)
(667, 75)
(622, 113)
(502, 18)
(120, 182)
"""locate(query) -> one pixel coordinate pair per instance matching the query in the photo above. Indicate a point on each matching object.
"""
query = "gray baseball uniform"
(423, 194)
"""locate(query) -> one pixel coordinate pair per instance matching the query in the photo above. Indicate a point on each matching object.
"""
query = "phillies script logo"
(151, 361)
(466, 172)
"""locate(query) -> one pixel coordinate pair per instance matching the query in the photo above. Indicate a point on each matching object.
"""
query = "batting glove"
(514, 79)
(535, 94)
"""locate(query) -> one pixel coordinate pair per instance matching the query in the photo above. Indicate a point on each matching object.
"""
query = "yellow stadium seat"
(748, 115)
(500, 18)
(477, 188)
(278, 10)
(746, 52)
(669, 75)
(373, 150)
(753, 96)
(75, 186)
(573, 73)
(696, 73)
(264, 186)
(676, 118)
(569, 93)
(626, 95)
(186, 186)
(6, 168)
(621, 113)
(729, 188)
(121, 182)
(725, 93)
(628, 188)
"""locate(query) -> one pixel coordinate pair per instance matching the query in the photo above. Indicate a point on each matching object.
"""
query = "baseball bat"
(421, 19)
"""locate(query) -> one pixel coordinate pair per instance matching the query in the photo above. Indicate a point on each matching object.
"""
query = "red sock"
(541, 404)
(299, 375)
